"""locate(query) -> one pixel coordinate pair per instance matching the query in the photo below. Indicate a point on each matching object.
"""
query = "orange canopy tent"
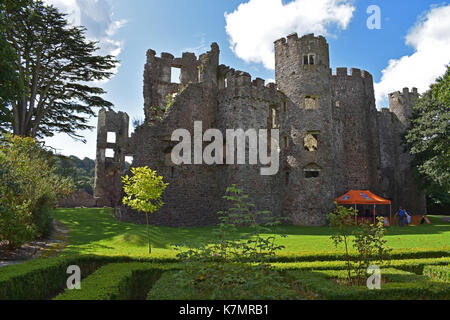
(364, 197)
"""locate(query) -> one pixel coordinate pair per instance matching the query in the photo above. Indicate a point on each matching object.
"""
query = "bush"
(41, 278)
(439, 273)
(410, 265)
(367, 240)
(217, 269)
(229, 282)
(28, 191)
(44, 278)
(400, 254)
(117, 281)
(400, 285)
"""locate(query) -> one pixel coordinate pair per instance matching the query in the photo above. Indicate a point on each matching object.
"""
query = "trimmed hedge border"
(118, 281)
(43, 278)
(395, 255)
(401, 285)
(411, 265)
(439, 273)
(166, 288)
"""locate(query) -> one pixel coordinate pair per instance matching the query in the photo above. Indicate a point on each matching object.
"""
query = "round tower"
(402, 103)
(303, 74)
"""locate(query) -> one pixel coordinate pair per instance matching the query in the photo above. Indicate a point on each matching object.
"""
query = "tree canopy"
(429, 139)
(54, 64)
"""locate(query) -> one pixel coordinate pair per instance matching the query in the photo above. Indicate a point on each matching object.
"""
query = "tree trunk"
(148, 235)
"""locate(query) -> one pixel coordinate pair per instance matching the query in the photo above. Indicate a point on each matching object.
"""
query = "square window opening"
(109, 153)
(111, 137)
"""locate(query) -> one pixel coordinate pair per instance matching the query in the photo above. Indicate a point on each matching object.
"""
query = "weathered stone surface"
(332, 137)
(81, 198)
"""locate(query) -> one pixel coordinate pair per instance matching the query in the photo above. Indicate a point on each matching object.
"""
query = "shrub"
(439, 273)
(217, 269)
(28, 190)
(367, 240)
(399, 285)
(410, 265)
(230, 281)
(41, 278)
(117, 281)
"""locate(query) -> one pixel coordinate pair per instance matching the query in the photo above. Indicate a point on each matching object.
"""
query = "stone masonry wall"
(332, 138)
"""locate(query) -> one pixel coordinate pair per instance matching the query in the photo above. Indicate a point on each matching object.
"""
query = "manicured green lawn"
(94, 231)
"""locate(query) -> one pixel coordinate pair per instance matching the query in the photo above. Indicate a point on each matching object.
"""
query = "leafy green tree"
(343, 219)
(144, 190)
(29, 189)
(366, 238)
(234, 265)
(55, 64)
(370, 244)
(81, 172)
(429, 139)
(10, 86)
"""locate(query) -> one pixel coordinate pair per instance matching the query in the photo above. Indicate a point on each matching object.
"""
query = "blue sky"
(411, 48)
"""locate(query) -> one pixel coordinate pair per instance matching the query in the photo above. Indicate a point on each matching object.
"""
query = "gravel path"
(49, 247)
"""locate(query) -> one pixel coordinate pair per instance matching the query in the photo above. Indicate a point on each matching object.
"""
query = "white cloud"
(97, 17)
(430, 38)
(255, 25)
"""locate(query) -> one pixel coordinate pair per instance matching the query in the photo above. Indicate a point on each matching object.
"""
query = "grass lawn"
(95, 231)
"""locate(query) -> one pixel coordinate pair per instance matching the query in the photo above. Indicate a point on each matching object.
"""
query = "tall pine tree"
(55, 64)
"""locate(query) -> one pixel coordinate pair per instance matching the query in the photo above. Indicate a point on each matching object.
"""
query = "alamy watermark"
(374, 281)
(233, 151)
(374, 20)
(74, 280)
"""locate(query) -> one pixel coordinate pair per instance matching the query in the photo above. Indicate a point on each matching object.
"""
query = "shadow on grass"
(87, 231)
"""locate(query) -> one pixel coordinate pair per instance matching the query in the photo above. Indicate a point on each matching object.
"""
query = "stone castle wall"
(332, 138)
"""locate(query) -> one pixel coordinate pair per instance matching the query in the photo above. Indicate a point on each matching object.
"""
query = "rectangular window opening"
(111, 137)
(312, 174)
(175, 75)
(311, 103)
(128, 161)
(109, 153)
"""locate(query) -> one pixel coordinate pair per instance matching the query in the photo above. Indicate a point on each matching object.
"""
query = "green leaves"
(144, 190)
(367, 240)
(429, 139)
(28, 190)
(50, 65)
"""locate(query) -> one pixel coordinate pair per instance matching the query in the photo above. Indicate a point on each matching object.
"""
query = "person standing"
(407, 218)
(401, 217)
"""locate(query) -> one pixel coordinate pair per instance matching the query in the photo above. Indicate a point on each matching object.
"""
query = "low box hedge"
(401, 285)
(286, 256)
(166, 288)
(118, 281)
(43, 278)
(439, 273)
(411, 265)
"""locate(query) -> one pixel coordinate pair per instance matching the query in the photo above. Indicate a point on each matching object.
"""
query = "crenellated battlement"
(332, 138)
(402, 104)
(230, 79)
(293, 40)
(354, 73)
(406, 92)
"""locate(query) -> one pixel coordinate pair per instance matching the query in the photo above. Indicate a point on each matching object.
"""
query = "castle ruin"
(332, 138)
